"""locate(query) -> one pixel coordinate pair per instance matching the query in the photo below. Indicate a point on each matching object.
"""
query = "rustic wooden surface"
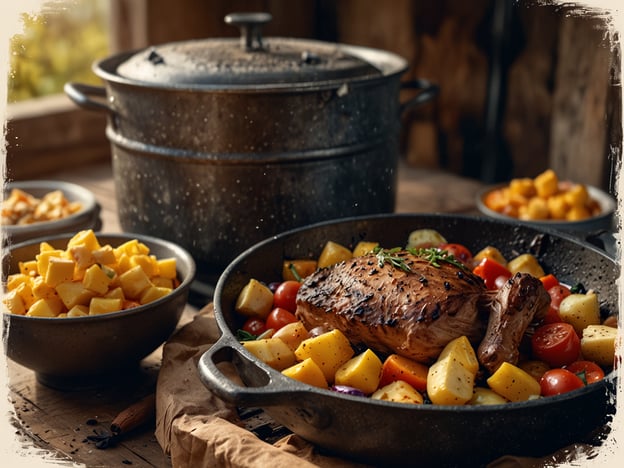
(60, 421)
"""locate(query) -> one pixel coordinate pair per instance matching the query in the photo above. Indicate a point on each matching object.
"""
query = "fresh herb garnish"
(578, 289)
(242, 335)
(433, 255)
(295, 273)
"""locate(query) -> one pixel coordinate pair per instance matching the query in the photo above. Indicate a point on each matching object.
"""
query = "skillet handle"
(79, 93)
(427, 93)
(277, 389)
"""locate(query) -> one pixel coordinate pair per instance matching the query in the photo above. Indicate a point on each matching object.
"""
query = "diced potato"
(523, 186)
(577, 213)
(153, 293)
(82, 255)
(25, 292)
(86, 238)
(329, 350)
(546, 183)
(104, 305)
(167, 268)
(492, 253)
(526, 263)
(580, 310)
(462, 351)
(513, 383)
(425, 238)
(449, 382)
(486, 396)
(78, 311)
(147, 262)
(13, 303)
(333, 253)
(59, 270)
(43, 260)
(598, 344)
(14, 280)
(307, 371)
(74, 293)
(577, 195)
(134, 282)
(304, 268)
(96, 280)
(536, 208)
(254, 300)
(272, 351)
(115, 293)
(50, 307)
(292, 334)
(362, 372)
(131, 247)
(41, 290)
(398, 392)
(364, 247)
(28, 268)
(104, 255)
(162, 282)
(534, 368)
(558, 207)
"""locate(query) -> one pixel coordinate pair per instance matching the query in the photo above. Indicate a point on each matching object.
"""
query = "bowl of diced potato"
(78, 308)
(39, 208)
(545, 201)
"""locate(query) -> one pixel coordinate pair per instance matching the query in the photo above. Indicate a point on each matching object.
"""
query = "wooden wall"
(560, 102)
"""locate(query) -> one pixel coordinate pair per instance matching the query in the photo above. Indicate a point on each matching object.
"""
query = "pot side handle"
(276, 389)
(79, 93)
(427, 93)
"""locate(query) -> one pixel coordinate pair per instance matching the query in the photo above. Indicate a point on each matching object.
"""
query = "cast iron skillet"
(387, 433)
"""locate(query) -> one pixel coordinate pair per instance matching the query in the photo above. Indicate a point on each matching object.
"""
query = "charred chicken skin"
(416, 309)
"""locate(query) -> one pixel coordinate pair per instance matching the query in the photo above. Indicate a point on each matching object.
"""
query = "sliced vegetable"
(255, 300)
(329, 350)
(272, 351)
(486, 396)
(526, 263)
(558, 381)
(364, 247)
(398, 392)
(285, 295)
(549, 281)
(307, 371)
(557, 344)
(598, 344)
(292, 334)
(490, 252)
(492, 273)
(449, 382)
(333, 253)
(580, 310)
(346, 390)
(513, 383)
(362, 372)
(397, 367)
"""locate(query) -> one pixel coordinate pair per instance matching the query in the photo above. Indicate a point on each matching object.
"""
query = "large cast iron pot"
(385, 433)
(220, 143)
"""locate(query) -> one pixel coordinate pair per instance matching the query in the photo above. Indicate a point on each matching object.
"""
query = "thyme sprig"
(433, 255)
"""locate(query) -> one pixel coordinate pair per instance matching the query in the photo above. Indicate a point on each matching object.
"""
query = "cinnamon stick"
(135, 415)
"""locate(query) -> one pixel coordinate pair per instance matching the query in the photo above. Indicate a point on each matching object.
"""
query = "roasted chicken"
(414, 306)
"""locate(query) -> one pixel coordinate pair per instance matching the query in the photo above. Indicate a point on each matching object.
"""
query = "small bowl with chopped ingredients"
(79, 308)
(548, 202)
(39, 208)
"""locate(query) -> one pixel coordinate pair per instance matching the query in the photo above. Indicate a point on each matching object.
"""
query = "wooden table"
(60, 421)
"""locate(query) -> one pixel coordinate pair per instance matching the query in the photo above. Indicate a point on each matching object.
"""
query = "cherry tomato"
(492, 273)
(557, 293)
(460, 252)
(557, 344)
(587, 371)
(557, 381)
(279, 317)
(255, 326)
(285, 295)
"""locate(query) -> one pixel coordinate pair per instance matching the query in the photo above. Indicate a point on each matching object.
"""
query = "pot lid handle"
(250, 25)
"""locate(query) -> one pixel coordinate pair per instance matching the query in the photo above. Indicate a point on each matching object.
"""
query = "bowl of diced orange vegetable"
(79, 308)
(38, 208)
(545, 201)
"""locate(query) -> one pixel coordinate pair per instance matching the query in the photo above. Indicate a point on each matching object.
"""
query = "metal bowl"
(88, 217)
(79, 352)
(603, 221)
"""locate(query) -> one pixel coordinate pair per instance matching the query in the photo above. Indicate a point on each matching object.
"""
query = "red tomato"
(255, 326)
(492, 273)
(557, 344)
(279, 317)
(285, 295)
(557, 381)
(458, 251)
(557, 294)
(588, 371)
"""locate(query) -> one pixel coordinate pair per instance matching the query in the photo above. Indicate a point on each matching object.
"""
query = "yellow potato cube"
(523, 186)
(462, 351)
(14, 303)
(96, 280)
(449, 382)
(485, 396)
(254, 300)
(147, 262)
(78, 311)
(303, 267)
(50, 307)
(598, 344)
(104, 305)
(292, 334)
(132, 247)
(398, 392)
(577, 195)
(82, 255)
(492, 253)
(104, 255)
(580, 311)
(329, 350)
(28, 268)
(123, 262)
(59, 270)
(115, 293)
(307, 371)
(513, 383)
(536, 208)
(152, 293)
(41, 290)
(86, 238)
(24, 290)
(162, 282)
(557, 207)
(134, 282)
(363, 248)
(424, 238)
(74, 293)
(167, 268)
(44, 246)
(362, 372)
(526, 263)
(14, 280)
(272, 352)
(43, 260)
(578, 213)
(547, 183)
(333, 253)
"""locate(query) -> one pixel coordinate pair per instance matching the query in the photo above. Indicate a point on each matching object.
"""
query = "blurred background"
(524, 85)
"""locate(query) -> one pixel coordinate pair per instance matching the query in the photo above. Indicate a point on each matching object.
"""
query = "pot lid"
(250, 60)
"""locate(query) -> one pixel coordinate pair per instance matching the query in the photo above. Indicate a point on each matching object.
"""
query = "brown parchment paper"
(197, 429)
